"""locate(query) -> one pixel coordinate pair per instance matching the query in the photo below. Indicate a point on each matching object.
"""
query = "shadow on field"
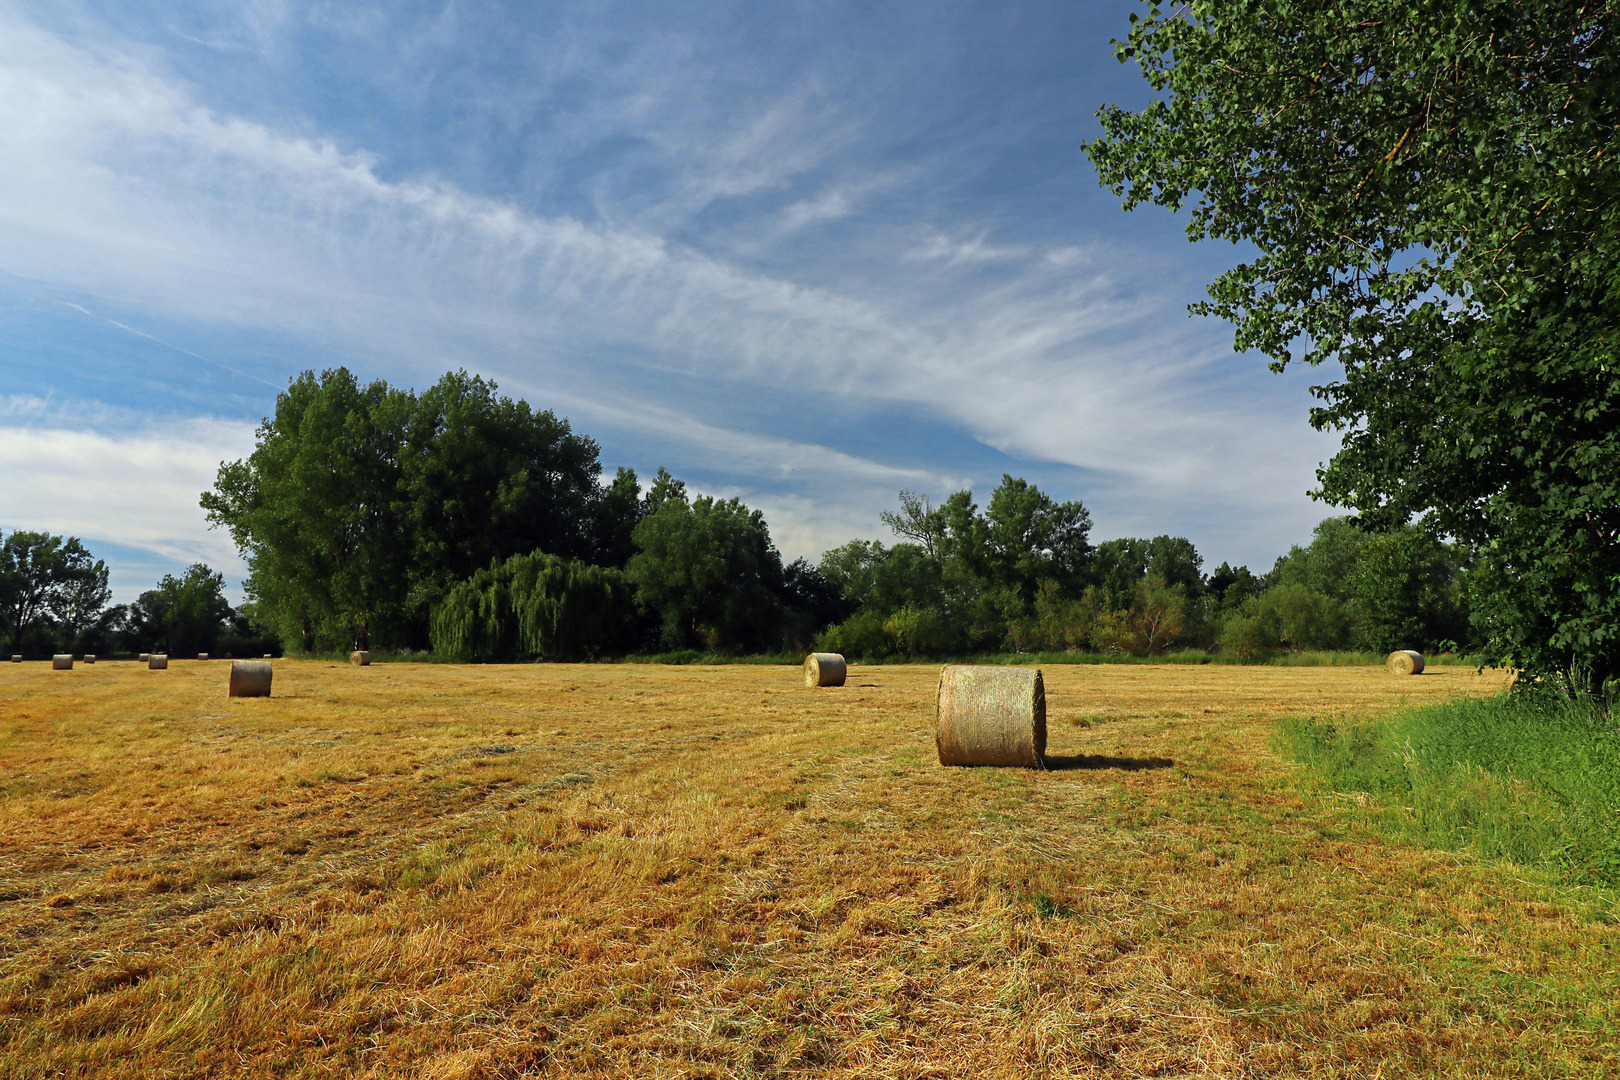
(1060, 762)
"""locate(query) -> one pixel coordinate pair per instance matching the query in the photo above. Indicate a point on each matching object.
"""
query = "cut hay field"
(643, 871)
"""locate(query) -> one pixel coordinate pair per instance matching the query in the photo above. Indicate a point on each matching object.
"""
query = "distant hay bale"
(202, 656)
(89, 657)
(1405, 662)
(144, 657)
(991, 716)
(825, 669)
(267, 656)
(16, 658)
(62, 662)
(360, 658)
(157, 661)
(250, 678)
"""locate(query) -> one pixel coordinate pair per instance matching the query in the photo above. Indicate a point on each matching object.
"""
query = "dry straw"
(158, 661)
(991, 716)
(1405, 662)
(250, 678)
(825, 669)
(360, 658)
(62, 662)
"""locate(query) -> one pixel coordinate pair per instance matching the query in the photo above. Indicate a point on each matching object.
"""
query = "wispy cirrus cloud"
(123, 182)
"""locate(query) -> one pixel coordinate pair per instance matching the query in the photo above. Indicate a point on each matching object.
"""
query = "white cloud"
(138, 489)
(116, 181)
(974, 249)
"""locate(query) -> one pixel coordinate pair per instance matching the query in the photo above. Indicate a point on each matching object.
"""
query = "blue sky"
(803, 254)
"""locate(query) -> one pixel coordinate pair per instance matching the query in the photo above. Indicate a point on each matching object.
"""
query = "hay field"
(642, 871)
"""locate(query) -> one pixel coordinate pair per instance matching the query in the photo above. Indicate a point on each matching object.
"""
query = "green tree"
(1326, 565)
(183, 615)
(1401, 589)
(1405, 592)
(535, 605)
(1228, 587)
(317, 511)
(1120, 564)
(1160, 612)
(1033, 538)
(1433, 191)
(619, 509)
(52, 590)
(709, 571)
(362, 505)
(484, 478)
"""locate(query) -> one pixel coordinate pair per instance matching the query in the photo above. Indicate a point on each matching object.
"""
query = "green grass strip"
(1530, 777)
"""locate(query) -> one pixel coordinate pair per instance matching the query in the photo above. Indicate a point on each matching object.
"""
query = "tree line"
(464, 522)
(54, 598)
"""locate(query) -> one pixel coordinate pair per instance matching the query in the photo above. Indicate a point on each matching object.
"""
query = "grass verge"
(1532, 778)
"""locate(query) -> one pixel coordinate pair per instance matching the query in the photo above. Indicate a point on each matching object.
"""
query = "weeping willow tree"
(535, 605)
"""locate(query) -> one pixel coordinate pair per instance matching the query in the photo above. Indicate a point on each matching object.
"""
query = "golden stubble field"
(644, 871)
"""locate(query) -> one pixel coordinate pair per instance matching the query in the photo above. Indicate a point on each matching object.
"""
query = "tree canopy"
(182, 615)
(52, 590)
(708, 569)
(1433, 190)
(361, 505)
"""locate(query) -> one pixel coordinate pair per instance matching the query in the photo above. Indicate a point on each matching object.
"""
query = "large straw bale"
(202, 656)
(991, 716)
(89, 657)
(825, 669)
(158, 661)
(62, 662)
(360, 658)
(144, 657)
(250, 678)
(1405, 662)
(16, 658)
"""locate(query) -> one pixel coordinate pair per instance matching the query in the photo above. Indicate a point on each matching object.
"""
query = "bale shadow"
(1061, 762)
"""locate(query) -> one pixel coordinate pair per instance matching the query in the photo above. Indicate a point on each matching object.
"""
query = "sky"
(804, 254)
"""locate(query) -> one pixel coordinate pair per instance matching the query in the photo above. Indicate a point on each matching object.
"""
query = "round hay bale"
(250, 678)
(16, 658)
(89, 657)
(144, 657)
(825, 669)
(1405, 662)
(267, 656)
(157, 661)
(991, 716)
(62, 662)
(360, 658)
(202, 656)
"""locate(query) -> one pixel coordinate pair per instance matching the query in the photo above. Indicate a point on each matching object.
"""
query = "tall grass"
(1530, 777)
